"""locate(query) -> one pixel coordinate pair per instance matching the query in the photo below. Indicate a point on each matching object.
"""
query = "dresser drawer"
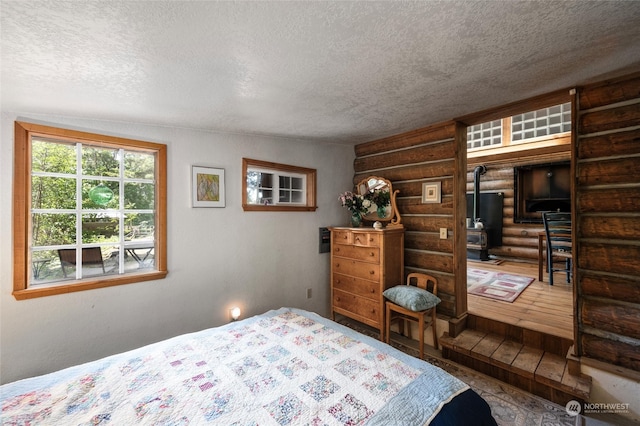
(368, 254)
(342, 237)
(357, 286)
(365, 308)
(368, 239)
(354, 268)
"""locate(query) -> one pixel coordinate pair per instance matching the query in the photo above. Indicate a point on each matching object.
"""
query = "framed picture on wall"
(207, 187)
(431, 192)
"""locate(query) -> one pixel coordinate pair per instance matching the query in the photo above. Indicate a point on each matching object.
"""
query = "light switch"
(443, 233)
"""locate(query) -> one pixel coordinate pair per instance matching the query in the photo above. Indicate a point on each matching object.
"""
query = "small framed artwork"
(207, 187)
(431, 192)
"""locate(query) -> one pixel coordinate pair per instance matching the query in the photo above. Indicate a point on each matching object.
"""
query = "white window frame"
(540, 119)
(277, 170)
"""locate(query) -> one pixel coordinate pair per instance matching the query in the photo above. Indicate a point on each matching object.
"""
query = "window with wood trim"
(271, 186)
(528, 127)
(89, 211)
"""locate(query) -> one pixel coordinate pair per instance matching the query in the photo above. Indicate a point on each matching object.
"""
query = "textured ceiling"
(343, 72)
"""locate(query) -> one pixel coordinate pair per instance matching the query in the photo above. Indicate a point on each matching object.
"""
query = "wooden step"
(538, 339)
(530, 367)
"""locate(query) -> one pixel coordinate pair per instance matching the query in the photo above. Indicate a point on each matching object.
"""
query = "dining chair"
(414, 303)
(557, 228)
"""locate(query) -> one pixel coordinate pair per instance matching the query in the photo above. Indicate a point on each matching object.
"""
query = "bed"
(284, 367)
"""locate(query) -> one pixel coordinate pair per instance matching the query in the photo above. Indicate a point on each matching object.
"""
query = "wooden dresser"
(364, 263)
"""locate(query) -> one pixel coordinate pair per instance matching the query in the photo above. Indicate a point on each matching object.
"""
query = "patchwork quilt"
(285, 367)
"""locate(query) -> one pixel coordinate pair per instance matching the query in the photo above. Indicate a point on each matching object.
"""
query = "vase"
(382, 211)
(356, 220)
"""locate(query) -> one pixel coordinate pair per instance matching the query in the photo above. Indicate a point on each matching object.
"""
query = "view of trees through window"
(85, 197)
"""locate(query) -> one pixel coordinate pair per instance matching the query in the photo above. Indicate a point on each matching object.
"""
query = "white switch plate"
(443, 233)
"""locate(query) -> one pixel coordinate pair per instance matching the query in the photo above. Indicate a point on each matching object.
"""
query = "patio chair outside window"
(90, 256)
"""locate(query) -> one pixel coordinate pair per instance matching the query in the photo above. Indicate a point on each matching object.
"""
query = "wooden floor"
(541, 307)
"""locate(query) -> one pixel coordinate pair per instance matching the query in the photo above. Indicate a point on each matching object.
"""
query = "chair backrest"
(557, 227)
(424, 281)
(90, 256)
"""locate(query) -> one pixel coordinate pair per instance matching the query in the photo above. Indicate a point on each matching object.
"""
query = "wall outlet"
(308, 293)
(443, 233)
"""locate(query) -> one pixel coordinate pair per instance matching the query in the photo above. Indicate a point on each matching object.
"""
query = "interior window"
(89, 211)
(273, 186)
(532, 126)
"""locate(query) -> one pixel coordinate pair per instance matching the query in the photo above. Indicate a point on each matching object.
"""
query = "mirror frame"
(393, 218)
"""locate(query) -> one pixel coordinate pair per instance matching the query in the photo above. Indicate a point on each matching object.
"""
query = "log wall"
(519, 240)
(607, 205)
(605, 156)
(408, 160)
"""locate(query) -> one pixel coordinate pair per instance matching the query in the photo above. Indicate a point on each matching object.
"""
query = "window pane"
(285, 196)
(265, 197)
(100, 195)
(297, 183)
(139, 196)
(53, 193)
(139, 256)
(297, 197)
(138, 165)
(98, 228)
(50, 229)
(139, 226)
(548, 121)
(266, 180)
(285, 182)
(100, 161)
(45, 266)
(53, 156)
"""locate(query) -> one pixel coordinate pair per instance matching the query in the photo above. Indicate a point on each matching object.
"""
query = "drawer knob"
(373, 311)
(344, 237)
(337, 249)
(373, 290)
(372, 254)
(337, 299)
(370, 239)
(372, 272)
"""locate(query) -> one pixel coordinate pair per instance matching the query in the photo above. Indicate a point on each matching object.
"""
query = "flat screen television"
(540, 188)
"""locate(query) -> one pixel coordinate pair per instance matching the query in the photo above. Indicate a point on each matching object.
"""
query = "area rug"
(496, 285)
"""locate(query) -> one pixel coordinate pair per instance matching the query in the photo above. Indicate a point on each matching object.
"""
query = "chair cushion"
(412, 298)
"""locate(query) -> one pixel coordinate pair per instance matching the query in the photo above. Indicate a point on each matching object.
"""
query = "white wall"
(217, 257)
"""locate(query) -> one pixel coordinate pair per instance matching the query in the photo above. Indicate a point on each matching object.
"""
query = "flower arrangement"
(356, 203)
(380, 197)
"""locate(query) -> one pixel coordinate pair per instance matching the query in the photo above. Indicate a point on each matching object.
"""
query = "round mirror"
(382, 197)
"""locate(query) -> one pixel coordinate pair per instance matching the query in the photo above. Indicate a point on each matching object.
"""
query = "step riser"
(544, 390)
(534, 361)
(535, 339)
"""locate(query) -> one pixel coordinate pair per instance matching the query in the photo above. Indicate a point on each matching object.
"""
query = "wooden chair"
(90, 256)
(424, 318)
(557, 228)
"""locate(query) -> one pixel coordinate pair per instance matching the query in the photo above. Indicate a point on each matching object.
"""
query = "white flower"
(366, 203)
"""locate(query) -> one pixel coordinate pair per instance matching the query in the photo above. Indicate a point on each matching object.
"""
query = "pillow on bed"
(412, 298)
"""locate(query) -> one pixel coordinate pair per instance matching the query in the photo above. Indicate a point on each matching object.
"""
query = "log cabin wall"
(409, 160)
(519, 240)
(607, 212)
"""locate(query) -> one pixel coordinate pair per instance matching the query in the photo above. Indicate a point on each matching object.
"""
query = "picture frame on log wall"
(431, 192)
